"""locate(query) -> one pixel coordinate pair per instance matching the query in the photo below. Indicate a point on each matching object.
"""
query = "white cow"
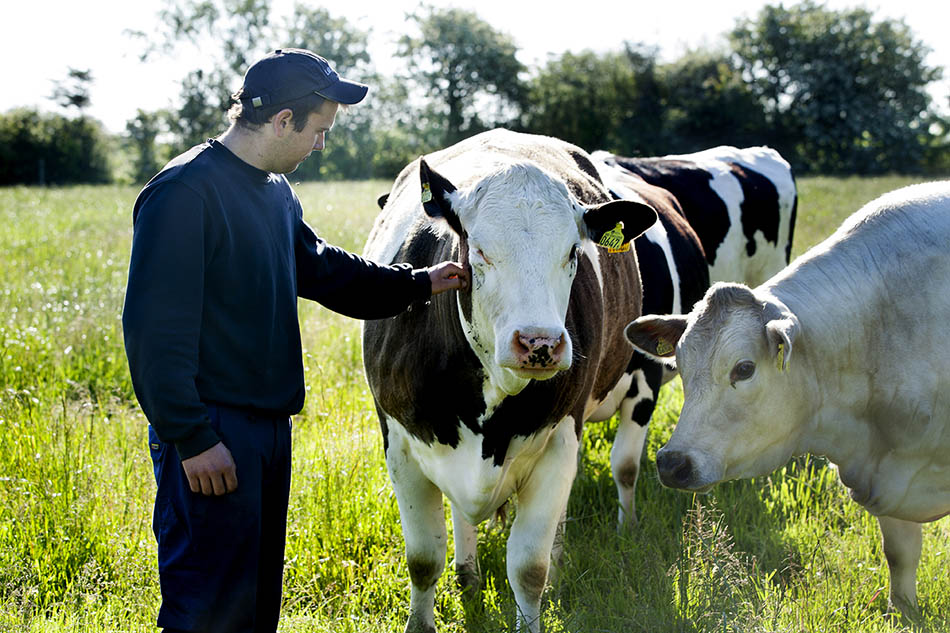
(838, 355)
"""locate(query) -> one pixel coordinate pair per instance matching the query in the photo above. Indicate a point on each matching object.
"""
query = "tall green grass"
(788, 552)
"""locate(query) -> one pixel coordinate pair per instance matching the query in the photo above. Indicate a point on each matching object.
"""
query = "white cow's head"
(741, 411)
(522, 232)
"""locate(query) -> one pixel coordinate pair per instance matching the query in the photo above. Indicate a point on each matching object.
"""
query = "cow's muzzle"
(538, 351)
(680, 470)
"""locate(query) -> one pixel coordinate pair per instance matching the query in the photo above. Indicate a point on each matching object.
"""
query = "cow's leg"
(636, 409)
(423, 529)
(541, 504)
(467, 573)
(902, 542)
(557, 548)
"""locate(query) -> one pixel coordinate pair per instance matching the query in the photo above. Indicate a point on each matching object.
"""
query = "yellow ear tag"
(780, 357)
(663, 347)
(426, 193)
(612, 240)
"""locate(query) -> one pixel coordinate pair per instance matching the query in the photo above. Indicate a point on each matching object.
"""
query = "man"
(220, 254)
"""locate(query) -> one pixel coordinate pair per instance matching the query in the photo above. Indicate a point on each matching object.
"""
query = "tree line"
(836, 92)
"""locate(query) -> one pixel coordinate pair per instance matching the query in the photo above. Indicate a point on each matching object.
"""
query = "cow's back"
(742, 203)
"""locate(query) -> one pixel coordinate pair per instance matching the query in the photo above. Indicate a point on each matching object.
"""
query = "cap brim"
(344, 91)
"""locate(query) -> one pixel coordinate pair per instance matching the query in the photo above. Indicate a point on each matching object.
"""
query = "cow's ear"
(615, 224)
(781, 333)
(656, 336)
(381, 200)
(435, 196)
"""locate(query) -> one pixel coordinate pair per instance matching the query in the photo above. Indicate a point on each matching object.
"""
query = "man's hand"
(448, 276)
(211, 472)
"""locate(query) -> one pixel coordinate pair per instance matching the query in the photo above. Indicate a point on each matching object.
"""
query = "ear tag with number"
(663, 347)
(426, 193)
(780, 357)
(612, 240)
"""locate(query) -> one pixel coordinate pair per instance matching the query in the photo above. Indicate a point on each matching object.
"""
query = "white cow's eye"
(481, 256)
(742, 370)
(572, 256)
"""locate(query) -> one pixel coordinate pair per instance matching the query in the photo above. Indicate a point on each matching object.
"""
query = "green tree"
(142, 131)
(40, 148)
(584, 98)
(465, 66)
(708, 103)
(848, 93)
(73, 92)
(238, 27)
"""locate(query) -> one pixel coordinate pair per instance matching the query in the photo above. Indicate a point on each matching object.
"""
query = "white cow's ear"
(781, 334)
(656, 336)
(435, 190)
(627, 219)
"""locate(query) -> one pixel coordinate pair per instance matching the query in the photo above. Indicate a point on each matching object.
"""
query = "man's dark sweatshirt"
(220, 254)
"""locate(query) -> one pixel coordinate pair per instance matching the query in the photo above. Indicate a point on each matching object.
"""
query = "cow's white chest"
(475, 485)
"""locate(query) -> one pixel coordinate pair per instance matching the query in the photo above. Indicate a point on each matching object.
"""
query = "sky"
(41, 39)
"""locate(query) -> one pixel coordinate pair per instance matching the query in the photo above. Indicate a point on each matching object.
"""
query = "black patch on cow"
(759, 206)
(655, 276)
(421, 367)
(704, 209)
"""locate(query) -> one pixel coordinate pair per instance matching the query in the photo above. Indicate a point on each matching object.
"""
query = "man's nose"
(319, 142)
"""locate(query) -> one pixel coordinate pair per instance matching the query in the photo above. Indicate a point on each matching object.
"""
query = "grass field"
(789, 552)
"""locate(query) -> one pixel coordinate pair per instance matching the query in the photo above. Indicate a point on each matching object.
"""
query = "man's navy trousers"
(221, 558)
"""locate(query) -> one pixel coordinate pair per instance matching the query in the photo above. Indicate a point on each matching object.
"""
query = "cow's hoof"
(468, 579)
(418, 625)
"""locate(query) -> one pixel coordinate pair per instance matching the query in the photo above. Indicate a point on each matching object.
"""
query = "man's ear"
(615, 224)
(435, 190)
(656, 336)
(282, 122)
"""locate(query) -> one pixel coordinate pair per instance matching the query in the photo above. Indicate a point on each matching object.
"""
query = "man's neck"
(245, 145)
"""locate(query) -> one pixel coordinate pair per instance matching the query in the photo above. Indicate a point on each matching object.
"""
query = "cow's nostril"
(675, 469)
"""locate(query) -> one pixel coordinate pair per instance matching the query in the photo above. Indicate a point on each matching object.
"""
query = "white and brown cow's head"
(522, 232)
(741, 413)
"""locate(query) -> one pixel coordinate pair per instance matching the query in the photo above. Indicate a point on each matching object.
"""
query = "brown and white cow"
(838, 355)
(740, 204)
(482, 394)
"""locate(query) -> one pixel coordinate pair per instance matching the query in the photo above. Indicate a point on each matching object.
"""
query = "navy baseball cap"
(291, 73)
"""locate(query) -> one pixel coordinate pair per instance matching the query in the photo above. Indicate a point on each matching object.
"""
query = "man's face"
(299, 145)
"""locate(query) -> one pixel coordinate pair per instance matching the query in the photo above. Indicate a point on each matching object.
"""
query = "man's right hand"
(211, 472)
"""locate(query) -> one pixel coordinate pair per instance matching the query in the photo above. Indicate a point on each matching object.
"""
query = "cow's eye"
(742, 370)
(572, 257)
(481, 256)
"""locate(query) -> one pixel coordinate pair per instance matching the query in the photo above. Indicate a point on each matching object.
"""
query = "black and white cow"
(739, 207)
(482, 394)
(839, 355)
(674, 276)
(741, 202)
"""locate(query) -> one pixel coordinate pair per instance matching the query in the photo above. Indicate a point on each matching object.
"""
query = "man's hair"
(251, 117)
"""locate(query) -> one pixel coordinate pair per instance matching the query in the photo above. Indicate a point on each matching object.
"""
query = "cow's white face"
(741, 414)
(523, 243)
(523, 232)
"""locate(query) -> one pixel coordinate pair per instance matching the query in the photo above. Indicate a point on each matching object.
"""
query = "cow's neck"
(844, 416)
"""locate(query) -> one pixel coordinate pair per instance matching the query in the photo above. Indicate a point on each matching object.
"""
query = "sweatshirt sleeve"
(162, 315)
(351, 285)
